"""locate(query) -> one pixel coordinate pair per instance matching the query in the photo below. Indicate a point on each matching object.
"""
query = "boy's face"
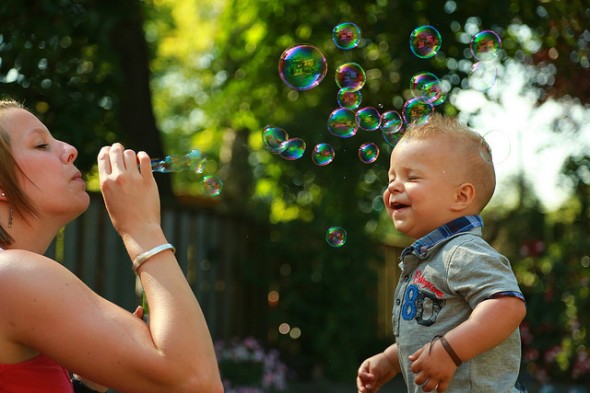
(422, 189)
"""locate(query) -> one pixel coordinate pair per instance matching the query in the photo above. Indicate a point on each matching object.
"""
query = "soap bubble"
(346, 35)
(350, 75)
(391, 121)
(482, 76)
(485, 45)
(499, 143)
(425, 41)
(193, 161)
(294, 149)
(427, 86)
(368, 152)
(322, 154)
(211, 185)
(416, 111)
(368, 118)
(302, 67)
(342, 123)
(274, 139)
(349, 98)
(336, 236)
(392, 137)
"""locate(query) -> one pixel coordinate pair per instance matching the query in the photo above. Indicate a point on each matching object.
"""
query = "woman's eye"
(42, 146)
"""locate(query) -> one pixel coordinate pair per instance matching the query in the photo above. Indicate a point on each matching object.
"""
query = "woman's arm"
(52, 311)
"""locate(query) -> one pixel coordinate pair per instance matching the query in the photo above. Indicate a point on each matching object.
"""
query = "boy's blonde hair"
(470, 149)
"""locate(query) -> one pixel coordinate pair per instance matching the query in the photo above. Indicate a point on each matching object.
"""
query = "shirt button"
(397, 302)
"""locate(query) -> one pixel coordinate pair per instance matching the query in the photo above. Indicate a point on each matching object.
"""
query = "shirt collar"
(462, 224)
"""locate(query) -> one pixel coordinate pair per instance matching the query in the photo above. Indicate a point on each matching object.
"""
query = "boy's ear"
(464, 195)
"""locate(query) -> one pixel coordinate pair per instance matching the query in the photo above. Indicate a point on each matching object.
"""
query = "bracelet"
(79, 387)
(456, 359)
(141, 258)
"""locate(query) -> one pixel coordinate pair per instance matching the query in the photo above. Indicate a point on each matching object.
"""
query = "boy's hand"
(433, 367)
(374, 372)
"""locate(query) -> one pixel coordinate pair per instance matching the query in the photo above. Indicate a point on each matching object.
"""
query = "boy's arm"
(377, 370)
(490, 323)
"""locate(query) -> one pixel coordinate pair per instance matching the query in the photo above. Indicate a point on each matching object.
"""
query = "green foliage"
(56, 58)
(550, 257)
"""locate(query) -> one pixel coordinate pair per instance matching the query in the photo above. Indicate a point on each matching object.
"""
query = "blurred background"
(288, 310)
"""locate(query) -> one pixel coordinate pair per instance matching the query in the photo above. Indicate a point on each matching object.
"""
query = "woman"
(50, 321)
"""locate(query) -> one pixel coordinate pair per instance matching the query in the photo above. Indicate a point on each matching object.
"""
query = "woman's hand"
(130, 194)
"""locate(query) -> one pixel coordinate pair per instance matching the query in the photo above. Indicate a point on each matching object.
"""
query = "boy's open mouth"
(398, 206)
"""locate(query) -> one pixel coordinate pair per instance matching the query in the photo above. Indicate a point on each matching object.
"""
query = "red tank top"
(38, 375)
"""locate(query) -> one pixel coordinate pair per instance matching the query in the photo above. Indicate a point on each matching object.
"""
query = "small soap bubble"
(425, 41)
(391, 121)
(349, 98)
(368, 152)
(350, 75)
(274, 139)
(346, 35)
(482, 76)
(416, 111)
(211, 185)
(392, 137)
(294, 149)
(368, 118)
(495, 147)
(322, 154)
(485, 45)
(302, 67)
(342, 123)
(427, 86)
(336, 236)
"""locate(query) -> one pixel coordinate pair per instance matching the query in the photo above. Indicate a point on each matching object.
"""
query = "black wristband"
(79, 387)
(456, 359)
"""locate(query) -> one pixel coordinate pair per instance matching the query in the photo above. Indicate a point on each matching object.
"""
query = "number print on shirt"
(421, 305)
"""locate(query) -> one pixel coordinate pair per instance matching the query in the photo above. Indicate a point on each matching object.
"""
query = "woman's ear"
(464, 196)
(3, 196)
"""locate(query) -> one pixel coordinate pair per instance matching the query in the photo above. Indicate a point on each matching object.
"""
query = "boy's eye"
(42, 146)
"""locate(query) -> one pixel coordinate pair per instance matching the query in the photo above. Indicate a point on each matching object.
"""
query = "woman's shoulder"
(24, 272)
(17, 263)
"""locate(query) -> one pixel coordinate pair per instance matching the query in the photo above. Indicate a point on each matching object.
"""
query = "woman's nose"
(71, 153)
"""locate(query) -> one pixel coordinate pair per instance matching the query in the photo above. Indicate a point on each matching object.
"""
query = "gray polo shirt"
(438, 289)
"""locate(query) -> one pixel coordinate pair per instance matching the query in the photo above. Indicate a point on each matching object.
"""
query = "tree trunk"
(137, 117)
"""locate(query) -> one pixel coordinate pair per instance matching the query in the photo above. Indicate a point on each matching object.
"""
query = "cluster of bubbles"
(303, 67)
(193, 161)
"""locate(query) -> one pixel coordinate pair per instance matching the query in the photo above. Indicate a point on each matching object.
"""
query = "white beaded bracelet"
(141, 258)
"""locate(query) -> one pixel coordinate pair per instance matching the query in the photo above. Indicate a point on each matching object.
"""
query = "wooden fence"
(219, 255)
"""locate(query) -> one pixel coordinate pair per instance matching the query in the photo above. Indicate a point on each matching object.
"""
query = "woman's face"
(49, 179)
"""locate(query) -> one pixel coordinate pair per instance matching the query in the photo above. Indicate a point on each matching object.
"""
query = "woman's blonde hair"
(19, 202)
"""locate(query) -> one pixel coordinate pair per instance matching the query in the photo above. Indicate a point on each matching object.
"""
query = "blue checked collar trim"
(462, 224)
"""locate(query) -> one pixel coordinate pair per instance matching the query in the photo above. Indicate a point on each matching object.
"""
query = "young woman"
(51, 323)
